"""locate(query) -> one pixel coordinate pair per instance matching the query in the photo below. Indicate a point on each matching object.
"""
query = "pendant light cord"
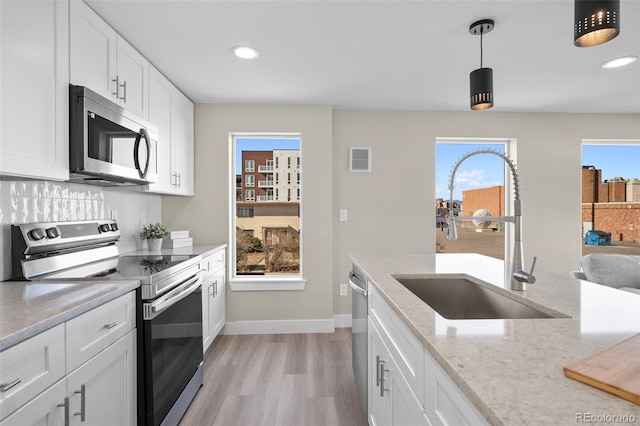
(481, 31)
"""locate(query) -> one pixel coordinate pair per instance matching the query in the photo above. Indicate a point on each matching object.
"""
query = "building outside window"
(266, 229)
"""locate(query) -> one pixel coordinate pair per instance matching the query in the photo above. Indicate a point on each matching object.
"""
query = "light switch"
(343, 215)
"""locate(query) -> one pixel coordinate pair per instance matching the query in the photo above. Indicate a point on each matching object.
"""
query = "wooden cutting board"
(615, 370)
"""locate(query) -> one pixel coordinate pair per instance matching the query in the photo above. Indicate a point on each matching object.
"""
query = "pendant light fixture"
(595, 22)
(481, 80)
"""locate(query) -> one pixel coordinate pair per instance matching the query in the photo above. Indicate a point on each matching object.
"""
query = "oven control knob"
(104, 227)
(114, 226)
(52, 232)
(36, 234)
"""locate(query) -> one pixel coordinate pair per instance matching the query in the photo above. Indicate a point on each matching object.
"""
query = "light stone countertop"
(511, 370)
(197, 249)
(28, 308)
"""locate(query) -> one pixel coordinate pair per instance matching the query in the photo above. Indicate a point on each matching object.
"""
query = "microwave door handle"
(142, 134)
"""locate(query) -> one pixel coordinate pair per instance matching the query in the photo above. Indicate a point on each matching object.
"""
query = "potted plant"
(153, 233)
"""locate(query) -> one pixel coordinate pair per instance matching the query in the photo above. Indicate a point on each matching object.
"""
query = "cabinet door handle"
(6, 386)
(82, 403)
(215, 288)
(382, 371)
(65, 404)
(117, 82)
(377, 370)
(124, 90)
(179, 175)
(211, 291)
(110, 326)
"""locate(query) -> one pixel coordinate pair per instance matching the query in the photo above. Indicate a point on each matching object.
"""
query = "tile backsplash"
(44, 201)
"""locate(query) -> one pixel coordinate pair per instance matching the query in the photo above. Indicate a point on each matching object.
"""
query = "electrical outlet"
(343, 289)
(343, 215)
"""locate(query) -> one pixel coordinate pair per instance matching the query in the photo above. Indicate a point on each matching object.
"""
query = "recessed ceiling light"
(619, 62)
(245, 52)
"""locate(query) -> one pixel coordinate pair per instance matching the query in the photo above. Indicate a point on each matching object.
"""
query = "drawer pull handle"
(382, 380)
(110, 326)
(378, 370)
(66, 410)
(82, 403)
(6, 386)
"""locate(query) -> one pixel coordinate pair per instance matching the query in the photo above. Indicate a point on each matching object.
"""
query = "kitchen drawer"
(35, 364)
(214, 262)
(405, 348)
(92, 332)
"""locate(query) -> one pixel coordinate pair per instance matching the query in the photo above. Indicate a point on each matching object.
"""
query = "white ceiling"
(406, 55)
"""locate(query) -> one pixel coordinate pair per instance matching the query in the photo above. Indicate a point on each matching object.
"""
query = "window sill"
(267, 284)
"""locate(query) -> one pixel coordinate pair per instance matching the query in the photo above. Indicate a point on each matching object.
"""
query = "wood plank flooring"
(283, 379)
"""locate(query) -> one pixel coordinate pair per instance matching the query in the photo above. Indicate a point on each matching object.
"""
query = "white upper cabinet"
(160, 90)
(172, 112)
(34, 78)
(104, 62)
(182, 143)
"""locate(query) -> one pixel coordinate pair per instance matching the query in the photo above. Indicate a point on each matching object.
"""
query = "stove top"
(143, 266)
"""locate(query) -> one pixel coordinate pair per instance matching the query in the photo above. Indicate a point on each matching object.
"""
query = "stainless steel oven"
(359, 342)
(169, 322)
(108, 145)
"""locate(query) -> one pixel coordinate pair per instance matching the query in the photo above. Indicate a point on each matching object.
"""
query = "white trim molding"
(267, 284)
(279, 327)
(342, 320)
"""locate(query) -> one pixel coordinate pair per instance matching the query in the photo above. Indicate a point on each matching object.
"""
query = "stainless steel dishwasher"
(359, 308)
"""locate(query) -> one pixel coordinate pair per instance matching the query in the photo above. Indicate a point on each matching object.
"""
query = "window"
(289, 162)
(610, 197)
(246, 212)
(298, 178)
(480, 189)
(266, 236)
(298, 159)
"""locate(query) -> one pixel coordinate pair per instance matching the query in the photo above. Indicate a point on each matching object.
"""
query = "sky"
(484, 171)
(249, 144)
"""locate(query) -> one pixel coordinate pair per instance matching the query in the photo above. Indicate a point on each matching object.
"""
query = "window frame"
(280, 282)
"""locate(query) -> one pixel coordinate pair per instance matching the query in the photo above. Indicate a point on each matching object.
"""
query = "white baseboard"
(287, 326)
(342, 320)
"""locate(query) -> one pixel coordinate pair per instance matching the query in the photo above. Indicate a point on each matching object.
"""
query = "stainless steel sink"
(462, 298)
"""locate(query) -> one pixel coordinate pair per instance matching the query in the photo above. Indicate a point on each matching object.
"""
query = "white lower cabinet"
(214, 307)
(47, 409)
(103, 390)
(37, 389)
(391, 400)
(406, 385)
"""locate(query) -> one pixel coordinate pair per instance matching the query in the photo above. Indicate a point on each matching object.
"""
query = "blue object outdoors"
(597, 238)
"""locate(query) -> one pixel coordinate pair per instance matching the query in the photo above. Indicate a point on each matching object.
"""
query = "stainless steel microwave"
(109, 146)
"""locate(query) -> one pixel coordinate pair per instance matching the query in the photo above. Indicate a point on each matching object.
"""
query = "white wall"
(43, 201)
(390, 209)
(206, 214)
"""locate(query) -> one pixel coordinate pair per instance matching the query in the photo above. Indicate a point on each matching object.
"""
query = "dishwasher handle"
(355, 286)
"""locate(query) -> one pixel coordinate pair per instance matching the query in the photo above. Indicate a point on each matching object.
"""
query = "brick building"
(614, 209)
(491, 199)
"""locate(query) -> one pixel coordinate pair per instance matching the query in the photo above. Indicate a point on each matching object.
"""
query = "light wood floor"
(285, 379)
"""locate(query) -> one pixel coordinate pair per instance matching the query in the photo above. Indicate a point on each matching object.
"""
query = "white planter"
(155, 245)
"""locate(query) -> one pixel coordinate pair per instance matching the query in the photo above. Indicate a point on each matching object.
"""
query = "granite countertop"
(31, 307)
(511, 370)
(197, 249)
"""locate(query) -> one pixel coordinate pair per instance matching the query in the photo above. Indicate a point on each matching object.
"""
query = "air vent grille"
(359, 159)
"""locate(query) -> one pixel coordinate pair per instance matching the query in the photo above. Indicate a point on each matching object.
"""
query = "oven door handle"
(153, 309)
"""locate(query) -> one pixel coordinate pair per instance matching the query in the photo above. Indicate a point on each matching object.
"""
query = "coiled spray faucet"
(519, 278)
